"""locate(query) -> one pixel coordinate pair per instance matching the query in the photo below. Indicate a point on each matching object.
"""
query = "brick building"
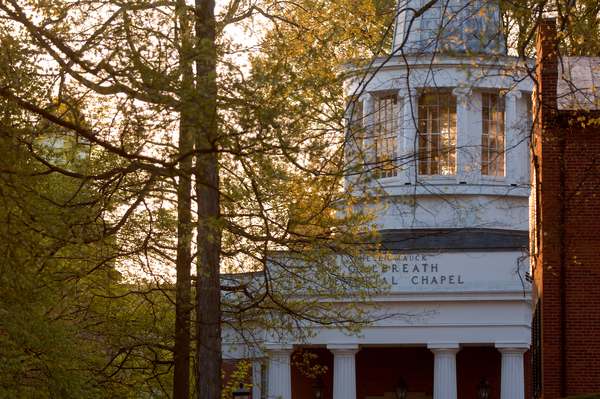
(566, 215)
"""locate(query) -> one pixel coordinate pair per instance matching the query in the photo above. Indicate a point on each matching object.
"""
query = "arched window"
(492, 136)
(437, 134)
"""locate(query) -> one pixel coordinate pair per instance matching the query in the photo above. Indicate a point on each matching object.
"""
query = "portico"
(468, 320)
(439, 372)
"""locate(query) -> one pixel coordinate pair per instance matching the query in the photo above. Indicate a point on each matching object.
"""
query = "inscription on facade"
(451, 271)
(418, 270)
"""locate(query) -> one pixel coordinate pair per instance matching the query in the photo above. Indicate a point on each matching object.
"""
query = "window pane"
(493, 129)
(386, 131)
(492, 134)
(437, 134)
(433, 113)
(444, 126)
(453, 141)
(444, 113)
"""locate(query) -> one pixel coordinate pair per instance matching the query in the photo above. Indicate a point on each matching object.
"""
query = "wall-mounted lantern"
(241, 392)
(319, 389)
(483, 389)
(401, 388)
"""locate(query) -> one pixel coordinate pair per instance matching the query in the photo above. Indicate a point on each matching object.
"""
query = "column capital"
(367, 97)
(278, 349)
(343, 349)
(462, 93)
(406, 92)
(512, 351)
(444, 351)
(513, 94)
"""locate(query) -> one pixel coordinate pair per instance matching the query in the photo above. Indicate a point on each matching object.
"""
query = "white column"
(344, 370)
(462, 94)
(408, 145)
(280, 373)
(512, 385)
(444, 371)
(512, 161)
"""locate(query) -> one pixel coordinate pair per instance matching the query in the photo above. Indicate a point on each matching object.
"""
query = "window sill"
(469, 179)
(493, 179)
(433, 179)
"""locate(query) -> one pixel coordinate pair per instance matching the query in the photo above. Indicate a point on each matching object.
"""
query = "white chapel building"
(445, 122)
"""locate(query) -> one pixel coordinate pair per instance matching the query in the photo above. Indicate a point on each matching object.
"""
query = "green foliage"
(306, 362)
(44, 284)
(70, 326)
(240, 375)
(108, 108)
(577, 22)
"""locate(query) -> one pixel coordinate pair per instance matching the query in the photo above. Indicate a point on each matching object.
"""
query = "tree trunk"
(208, 307)
(183, 306)
(183, 293)
(208, 291)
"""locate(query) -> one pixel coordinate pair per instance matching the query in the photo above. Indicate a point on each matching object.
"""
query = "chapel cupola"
(440, 125)
(448, 27)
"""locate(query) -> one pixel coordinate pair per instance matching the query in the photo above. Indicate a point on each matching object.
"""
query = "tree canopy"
(141, 161)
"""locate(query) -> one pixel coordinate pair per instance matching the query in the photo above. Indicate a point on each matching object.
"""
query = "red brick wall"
(583, 259)
(581, 269)
(378, 370)
(527, 365)
(570, 219)
(302, 385)
(472, 363)
(567, 153)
